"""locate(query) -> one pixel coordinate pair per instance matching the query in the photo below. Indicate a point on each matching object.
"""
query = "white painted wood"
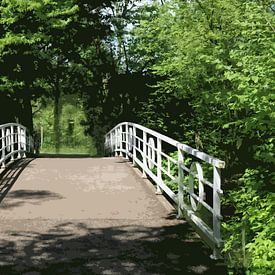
(159, 165)
(3, 148)
(116, 142)
(144, 152)
(217, 208)
(150, 153)
(127, 139)
(196, 167)
(15, 142)
(180, 182)
(134, 146)
(12, 142)
(200, 155)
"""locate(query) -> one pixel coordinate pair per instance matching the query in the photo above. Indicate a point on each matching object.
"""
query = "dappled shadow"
(82, 247)
(121, 160)
(172, 215)
(9, 176)
(36, 197)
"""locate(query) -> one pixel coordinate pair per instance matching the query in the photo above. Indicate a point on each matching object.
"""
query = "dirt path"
(92, 216)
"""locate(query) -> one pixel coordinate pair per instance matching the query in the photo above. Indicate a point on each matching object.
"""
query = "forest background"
(201, 72)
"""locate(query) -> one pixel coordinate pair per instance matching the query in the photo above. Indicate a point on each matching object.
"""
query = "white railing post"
(134, 145)
(180, 183)
(24, 142)
(144, 153)
(18, 142)
(3, 147)
(12, 143)
(111, 142)
(216, 209)
(127, 140)
(116, 141)
(120, 140)
(159, 150)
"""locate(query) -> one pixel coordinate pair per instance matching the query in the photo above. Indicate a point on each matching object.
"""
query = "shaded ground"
(92, 216)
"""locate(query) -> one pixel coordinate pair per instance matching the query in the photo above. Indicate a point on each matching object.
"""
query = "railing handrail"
(145, 148)
(192, 151)
(12, 124)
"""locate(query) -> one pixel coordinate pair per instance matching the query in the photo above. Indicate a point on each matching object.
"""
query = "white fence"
(192, 179)
(15, 142)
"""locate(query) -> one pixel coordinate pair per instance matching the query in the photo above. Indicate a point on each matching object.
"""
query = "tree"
(24, 32)
(42, 46)
(216, 57)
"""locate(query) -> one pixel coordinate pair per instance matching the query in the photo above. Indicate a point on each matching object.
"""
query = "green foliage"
(73, 138)
(250, 233)
(172, 184)
(215, 59)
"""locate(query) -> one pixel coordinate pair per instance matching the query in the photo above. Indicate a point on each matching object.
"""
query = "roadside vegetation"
(73, 140)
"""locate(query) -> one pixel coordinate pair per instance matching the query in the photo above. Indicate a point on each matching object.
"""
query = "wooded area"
(199, 71)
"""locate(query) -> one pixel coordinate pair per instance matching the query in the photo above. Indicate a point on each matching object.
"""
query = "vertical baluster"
(116, 141)
(24, 141)
(111, 143)
(180, 183)
(120, 140)
(127, 140)
(18, 142)
(134, 145)
(3, 147)
(144, 153)
(12, 143)
(159, 150)
(216, 209)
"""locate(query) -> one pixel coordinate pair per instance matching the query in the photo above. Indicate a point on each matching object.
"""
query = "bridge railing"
(192, 179)
(15, 142)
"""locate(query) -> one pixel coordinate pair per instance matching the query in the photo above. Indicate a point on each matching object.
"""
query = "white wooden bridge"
(112, 215)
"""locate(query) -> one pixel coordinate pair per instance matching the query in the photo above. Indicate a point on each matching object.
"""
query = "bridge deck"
(91, 216)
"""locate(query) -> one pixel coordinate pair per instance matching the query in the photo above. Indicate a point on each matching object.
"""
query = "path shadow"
(81, 248)
(121, 160)
(35, 197)
(9, 176)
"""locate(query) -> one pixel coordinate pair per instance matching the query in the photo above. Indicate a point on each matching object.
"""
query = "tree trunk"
(57, 115)
(9, 109)
(27, 118)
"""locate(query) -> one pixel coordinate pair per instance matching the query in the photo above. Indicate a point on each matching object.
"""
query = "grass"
(70, 151)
